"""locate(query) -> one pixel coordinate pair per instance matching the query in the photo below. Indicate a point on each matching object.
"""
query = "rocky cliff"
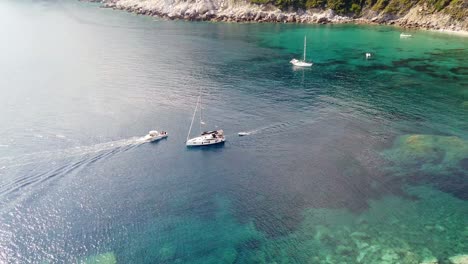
(452, 16)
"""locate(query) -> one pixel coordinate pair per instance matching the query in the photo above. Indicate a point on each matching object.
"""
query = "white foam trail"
(82, 155)
(264, 128)
(277, 127)
(51, 156)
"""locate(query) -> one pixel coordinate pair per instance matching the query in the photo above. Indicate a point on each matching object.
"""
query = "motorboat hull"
(156, 138)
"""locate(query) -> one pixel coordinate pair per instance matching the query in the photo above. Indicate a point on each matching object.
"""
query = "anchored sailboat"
(404, 35)
(302, 63)
(207, 137)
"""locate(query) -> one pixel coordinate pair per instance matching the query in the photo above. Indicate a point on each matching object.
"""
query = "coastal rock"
(280, 17)
(323, 20)
(259, 16)
(243, 10)
(329, 14)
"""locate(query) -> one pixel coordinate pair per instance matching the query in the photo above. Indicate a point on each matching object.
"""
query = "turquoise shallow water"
(350, 161)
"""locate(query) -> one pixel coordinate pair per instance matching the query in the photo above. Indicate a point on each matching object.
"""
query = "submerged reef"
(460, 259)
(429, 154)
(441, 161)
(191, 239)
(105, 258)
(431, 229)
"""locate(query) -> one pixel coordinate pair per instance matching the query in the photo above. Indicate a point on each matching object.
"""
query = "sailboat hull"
(207, 138)
(298, 63)
(203, 141)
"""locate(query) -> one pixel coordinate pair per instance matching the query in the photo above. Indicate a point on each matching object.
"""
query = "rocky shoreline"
(242, 11)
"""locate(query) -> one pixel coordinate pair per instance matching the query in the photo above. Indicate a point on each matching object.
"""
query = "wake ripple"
(276, 128)
(86, 155)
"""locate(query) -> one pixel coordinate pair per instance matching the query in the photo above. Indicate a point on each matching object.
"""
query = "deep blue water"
(350, 161)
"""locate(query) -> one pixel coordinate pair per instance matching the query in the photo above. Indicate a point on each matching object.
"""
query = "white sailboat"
(404, 35)
(302, 63)
(206, 138)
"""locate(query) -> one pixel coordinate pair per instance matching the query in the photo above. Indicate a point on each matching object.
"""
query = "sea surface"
(349, 161)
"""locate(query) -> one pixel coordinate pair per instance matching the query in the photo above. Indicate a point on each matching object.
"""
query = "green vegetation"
(399, 6)
(456, 8)
(285, 4)
(315, 3)
(260, 2)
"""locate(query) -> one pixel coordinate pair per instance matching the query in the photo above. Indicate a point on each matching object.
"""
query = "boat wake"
(51, 156)
(273, 128)
(23, 175)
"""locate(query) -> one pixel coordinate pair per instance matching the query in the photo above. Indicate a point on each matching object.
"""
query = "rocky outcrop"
(244, 11)
(421, 17)
(223, 10)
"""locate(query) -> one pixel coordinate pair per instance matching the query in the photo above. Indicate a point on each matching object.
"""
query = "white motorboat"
(241, 134)
(302, 63)
(404, 35)
(206, 138)
(368, 55)
(154, 135)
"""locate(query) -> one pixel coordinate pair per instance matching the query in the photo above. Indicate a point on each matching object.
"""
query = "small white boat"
(368, 55)
(206, 138)
(241, 134)
(154, 135)
(302, 63)
(404, 35)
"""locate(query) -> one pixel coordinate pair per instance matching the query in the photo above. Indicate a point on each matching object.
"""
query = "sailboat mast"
(305, 46)
(193, 118)
(201, 112)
